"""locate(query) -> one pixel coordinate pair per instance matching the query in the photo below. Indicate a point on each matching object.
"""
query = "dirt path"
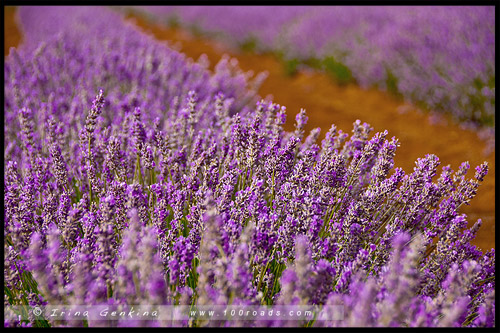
(328, 103)
(12, 36)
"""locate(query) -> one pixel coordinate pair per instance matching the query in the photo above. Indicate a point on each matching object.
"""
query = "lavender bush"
(440, 57)
(171, 186)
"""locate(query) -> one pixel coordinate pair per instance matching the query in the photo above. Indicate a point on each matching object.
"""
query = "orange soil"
(12, 36)
(327, 103)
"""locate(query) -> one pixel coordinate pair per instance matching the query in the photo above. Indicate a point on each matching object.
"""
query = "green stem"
(89, 161)
(265, 269)
(138, 169)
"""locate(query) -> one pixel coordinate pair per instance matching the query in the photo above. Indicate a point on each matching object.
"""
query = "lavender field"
(442, 58)
(137, 177)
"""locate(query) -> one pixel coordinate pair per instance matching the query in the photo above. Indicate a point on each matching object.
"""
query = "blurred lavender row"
(148, 78)
(134, 176)
(442, 58)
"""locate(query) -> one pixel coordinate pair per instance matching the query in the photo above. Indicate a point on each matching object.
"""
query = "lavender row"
(441, 57)
(201, 198)
(150, 77)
